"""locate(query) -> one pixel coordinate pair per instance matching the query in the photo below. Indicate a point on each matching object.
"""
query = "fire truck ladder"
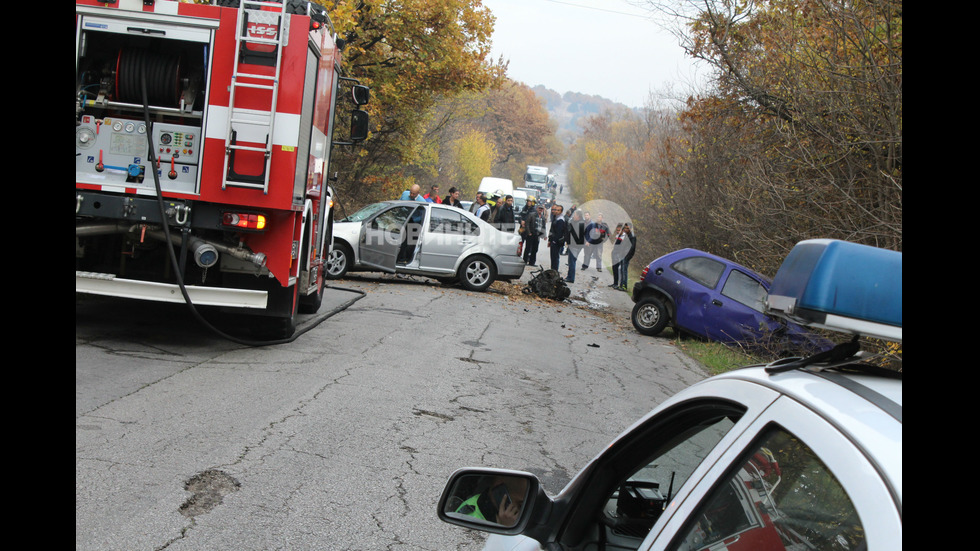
(253, 122)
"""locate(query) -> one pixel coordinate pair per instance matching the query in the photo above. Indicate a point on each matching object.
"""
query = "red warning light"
(244, 220)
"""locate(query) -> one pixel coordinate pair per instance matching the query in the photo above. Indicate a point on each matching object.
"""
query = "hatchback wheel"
(649, 316)
(477, 273)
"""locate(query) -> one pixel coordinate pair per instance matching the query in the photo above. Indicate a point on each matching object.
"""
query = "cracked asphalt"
(345, 438)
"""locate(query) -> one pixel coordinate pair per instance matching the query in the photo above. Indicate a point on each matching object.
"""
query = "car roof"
(883, 392)
(867, 409)
(679, 254)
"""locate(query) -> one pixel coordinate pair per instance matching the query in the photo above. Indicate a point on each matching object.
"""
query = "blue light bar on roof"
(841, 286)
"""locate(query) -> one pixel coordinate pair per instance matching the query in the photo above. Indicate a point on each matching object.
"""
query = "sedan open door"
(387, 234)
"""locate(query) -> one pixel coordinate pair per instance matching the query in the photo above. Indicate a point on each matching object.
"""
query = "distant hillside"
(568, 109)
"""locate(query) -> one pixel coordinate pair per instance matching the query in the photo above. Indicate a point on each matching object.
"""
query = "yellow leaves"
(343, 15)
(411, 53)
(474, 157)
(426, 47)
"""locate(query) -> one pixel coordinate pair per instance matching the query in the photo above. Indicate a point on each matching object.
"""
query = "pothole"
(208, 488)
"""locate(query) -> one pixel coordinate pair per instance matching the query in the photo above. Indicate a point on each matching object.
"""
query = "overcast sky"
(602, 47)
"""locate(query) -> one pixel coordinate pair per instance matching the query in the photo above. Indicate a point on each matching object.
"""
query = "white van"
(493, 185)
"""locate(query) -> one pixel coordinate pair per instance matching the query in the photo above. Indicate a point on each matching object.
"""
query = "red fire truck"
(203, 135)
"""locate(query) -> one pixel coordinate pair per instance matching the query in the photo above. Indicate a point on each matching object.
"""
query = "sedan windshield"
(364, 212)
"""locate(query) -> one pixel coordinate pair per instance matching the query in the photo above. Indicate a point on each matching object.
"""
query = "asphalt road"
(344, 438)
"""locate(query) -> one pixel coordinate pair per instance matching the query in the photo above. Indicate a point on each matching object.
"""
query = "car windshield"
(365, 212)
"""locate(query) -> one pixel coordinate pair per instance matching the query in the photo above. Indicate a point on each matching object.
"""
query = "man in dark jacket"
(576, 243)
(556, 236)
(534, 224)
(505, 215)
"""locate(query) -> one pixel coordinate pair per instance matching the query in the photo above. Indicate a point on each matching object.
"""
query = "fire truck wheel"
(310, 304)
(279, 321)
(276, 328)
(339, 261)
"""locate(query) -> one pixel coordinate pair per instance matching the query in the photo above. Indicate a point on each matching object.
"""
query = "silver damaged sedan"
(427, 239)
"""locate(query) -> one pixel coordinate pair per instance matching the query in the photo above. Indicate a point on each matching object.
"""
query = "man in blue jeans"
(629, 243)
(617, 254)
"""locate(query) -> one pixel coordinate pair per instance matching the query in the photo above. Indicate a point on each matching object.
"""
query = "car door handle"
(716, 302)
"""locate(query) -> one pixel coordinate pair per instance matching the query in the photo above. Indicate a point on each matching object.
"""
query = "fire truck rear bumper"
(110, 285)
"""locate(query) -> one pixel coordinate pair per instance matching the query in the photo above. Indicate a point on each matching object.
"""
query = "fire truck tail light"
(244, 220)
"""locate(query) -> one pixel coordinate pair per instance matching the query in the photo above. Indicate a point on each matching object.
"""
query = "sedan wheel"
(649, 316)
(338, 262)
(477, 273)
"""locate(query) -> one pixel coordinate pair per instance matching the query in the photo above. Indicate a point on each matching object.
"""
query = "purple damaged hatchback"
(711, 297)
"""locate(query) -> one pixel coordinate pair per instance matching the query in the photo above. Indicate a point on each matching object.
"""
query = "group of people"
(578, 237)
(497, 209)
(413, 193)
(573, 234)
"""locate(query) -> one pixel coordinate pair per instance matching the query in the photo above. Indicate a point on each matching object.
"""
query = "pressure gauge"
(84, 137)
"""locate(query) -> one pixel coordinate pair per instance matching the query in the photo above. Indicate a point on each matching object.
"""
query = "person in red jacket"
(433, 195)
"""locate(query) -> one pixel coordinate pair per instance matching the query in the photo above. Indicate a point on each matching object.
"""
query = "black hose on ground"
(173, 256)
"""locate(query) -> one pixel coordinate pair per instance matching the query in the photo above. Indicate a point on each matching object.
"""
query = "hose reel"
(164, 75)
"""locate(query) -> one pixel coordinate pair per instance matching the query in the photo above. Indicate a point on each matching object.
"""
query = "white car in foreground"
(428, 239)
(805, 453)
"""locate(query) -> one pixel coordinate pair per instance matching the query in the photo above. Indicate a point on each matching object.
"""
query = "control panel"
(114, 151)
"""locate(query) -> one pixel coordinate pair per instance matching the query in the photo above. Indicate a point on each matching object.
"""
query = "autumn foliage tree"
(473, 154)
(799, 137)
(492, 132)
(515, 120)
(441, 111)
(410, 53)
(815, 90)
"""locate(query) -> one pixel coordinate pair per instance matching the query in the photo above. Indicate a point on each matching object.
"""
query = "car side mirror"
(490, 500)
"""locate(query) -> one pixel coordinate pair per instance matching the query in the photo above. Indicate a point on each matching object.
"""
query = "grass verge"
(716, 357)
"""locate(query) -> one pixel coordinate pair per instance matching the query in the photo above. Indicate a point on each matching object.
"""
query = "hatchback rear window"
(705, 271)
